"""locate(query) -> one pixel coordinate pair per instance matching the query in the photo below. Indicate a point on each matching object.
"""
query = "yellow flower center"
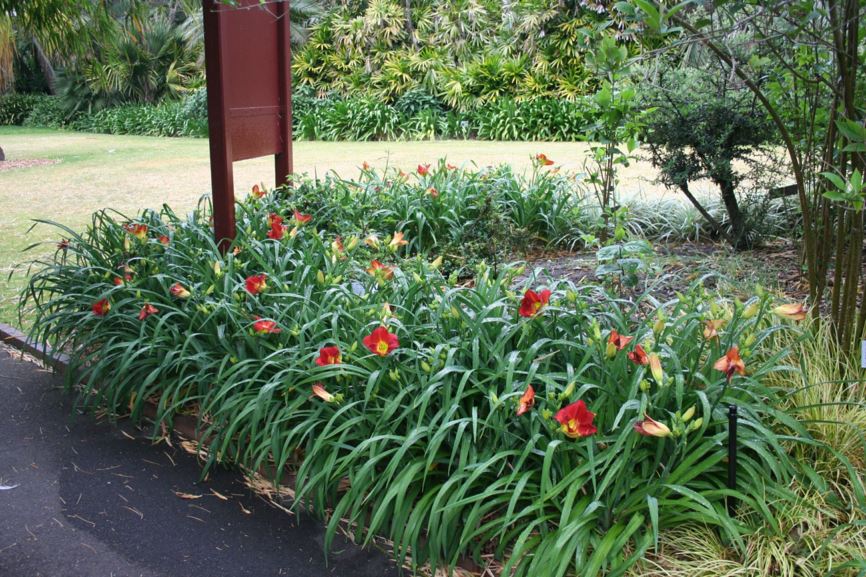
(382, 348)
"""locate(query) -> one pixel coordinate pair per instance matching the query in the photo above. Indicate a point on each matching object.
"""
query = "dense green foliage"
(15, 108)
(166, 119)
(422, 443)
(466, 52)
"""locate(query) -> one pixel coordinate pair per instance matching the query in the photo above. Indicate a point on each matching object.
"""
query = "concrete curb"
(11, 336)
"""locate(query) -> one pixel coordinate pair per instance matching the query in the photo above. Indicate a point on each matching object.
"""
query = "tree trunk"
(410, 29)
(739, 238)
(45, 66)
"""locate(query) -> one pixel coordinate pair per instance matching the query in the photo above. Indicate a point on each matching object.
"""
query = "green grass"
(128, 173)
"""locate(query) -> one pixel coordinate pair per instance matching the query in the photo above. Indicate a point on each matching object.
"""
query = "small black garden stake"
(732, 457)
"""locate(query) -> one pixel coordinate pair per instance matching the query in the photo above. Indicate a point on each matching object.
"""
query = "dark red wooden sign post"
(249, 95)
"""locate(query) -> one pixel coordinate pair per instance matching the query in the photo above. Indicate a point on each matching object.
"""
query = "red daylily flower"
(365, 166)
(147, 310)
(638, 356)
(164, 240)
(380, 271)
(450, 166)
(101, 307)
(337, 245)
(258, 191)
(650, 428)
(423, 169)
(121, 280)
(137, 230)
(266, 327)
(381, 342)
(576, 420)
(533, 302)
(433, 192)
(731, 363)
(526, 401)
(274, 219)
(302, 218)
(543, 160)
(178, 290)
(63, 244)
(329, 356)
(256, 283)
(277, 231)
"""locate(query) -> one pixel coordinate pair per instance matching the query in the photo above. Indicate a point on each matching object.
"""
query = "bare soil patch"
(10, 164)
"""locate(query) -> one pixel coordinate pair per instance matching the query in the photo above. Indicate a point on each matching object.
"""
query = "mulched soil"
(10, 164)
(775, 266)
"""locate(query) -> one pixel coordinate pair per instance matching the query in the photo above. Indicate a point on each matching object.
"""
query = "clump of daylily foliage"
(462, 213)
(555, 427)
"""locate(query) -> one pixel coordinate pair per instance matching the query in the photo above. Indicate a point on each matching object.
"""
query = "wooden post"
(249, 75)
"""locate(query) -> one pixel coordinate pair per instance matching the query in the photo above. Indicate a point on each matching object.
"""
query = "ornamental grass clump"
(555, 428)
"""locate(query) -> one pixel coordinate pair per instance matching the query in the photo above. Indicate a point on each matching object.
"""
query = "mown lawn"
(128, 173)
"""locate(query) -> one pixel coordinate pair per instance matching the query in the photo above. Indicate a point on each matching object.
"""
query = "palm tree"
(55, 29)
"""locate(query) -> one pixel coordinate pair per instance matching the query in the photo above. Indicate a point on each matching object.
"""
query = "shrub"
(195, 105)
(15, 108)
(47, 112)
(698, 130)
(439, 444)
(167, 119)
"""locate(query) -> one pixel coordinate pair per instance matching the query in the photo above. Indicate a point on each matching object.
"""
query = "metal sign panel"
(249, 78)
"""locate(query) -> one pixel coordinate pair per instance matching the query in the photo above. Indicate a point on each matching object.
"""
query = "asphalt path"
(81, 498)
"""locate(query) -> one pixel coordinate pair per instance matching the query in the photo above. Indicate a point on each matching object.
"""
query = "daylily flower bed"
(463, 214)
(554, 427)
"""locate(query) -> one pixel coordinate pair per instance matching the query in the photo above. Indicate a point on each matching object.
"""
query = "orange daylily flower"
(526, 401)
(259, 191)
(543, 160)
(616, 342)
(711, 328)
(576, 420)
(650, 428)
(533, 302)
(791, 311)
(380, 271)
(655, 365)
(319, 391)
(731, 363)
(137, 230)
(381, 342)
(397, 241)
